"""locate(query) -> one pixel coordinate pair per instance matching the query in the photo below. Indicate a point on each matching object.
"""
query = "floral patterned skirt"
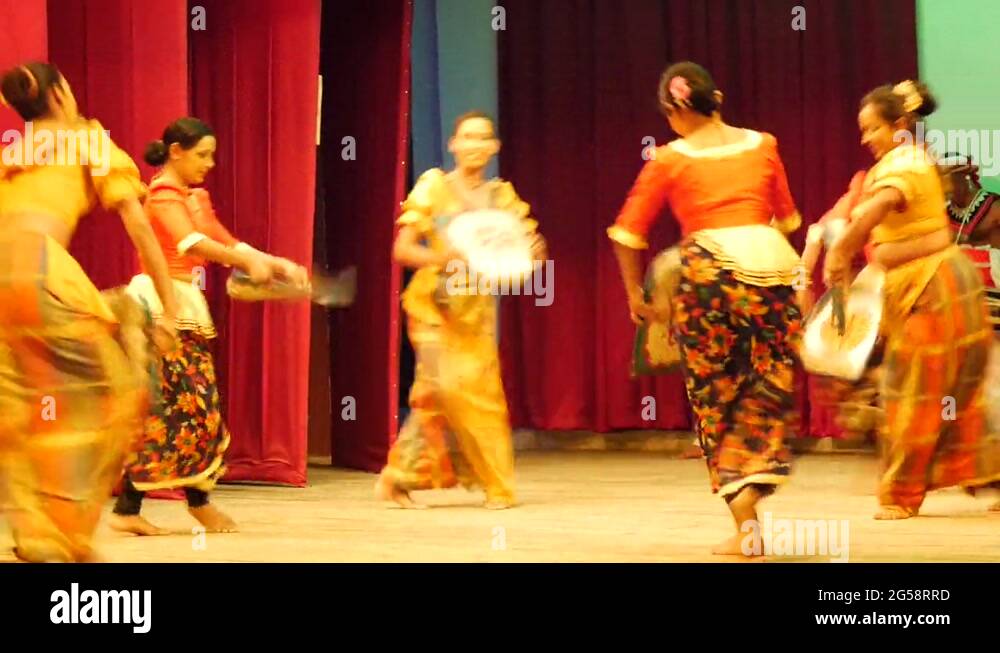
(738, 346)
(184, 438)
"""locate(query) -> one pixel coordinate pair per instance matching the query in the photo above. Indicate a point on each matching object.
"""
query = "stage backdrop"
(254, 76)
(577, 101)
(127, 63)
(364, 152)
(23, 37)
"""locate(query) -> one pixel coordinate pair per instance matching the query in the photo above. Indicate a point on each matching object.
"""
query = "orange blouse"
(727, 186)
(181, 218)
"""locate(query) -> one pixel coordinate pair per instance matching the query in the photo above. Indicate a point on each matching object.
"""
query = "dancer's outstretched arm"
(257, 267)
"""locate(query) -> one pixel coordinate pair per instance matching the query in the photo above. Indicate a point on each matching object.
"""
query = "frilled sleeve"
(417, 210)
(507, 199)
(113, 173)
(644, 203)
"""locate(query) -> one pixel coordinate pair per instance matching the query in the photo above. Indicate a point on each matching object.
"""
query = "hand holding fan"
(495, 243)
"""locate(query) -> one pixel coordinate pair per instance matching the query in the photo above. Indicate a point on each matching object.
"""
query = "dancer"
(185, 438)
(70, 400)
(458, 430)
(937, 333)
(734, 315)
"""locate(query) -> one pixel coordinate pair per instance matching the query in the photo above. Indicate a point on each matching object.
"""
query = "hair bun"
(928, 104)
(156, 153)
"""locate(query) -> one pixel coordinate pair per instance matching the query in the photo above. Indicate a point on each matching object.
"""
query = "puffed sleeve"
(507, 199)
(113, 173)
(904, 171)
(418, 208)
(644, 203)
(786, 217)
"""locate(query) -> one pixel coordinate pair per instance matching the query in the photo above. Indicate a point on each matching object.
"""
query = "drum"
(842, 329)
(495, 243)
(980, 257)
(655, 351)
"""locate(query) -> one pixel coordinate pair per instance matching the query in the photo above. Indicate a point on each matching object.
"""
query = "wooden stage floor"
(576, 507)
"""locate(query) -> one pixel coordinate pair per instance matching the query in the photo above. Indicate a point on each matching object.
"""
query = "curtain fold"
(254, 78)
(23, 37)
(365, 149)
(127, 64)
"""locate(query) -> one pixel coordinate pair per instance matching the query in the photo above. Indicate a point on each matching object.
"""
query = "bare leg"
(744, 509)
(386, 490)
(894, 512)
(213, 519)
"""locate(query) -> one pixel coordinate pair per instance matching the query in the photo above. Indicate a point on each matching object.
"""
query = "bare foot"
(733, 546)
(497, 504)
(134, 524)
(894, 512)
(386, 490)
(213, 519)
(692, 451)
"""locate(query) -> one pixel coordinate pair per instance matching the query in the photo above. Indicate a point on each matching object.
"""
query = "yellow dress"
(458, 431)
(70, 398)
(938, 341)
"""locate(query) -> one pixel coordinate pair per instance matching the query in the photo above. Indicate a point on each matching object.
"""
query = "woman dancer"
(70, 401)
(735, 315)
(458, 431)
(185, 437)
(937, 333)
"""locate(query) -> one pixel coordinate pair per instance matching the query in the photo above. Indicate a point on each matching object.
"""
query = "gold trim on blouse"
(627, 238)
(752, 140)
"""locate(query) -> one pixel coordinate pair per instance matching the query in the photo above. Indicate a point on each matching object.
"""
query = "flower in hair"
(911, 96)
(680, 92)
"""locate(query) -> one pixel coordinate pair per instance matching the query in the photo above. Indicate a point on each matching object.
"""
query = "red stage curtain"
(22, 39)
(366, 50)
(127, 63)
(254, 74)
(577, 98)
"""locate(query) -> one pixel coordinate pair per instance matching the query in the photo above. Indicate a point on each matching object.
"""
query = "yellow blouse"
(910, 170)
(428, 209)
(68, 182)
